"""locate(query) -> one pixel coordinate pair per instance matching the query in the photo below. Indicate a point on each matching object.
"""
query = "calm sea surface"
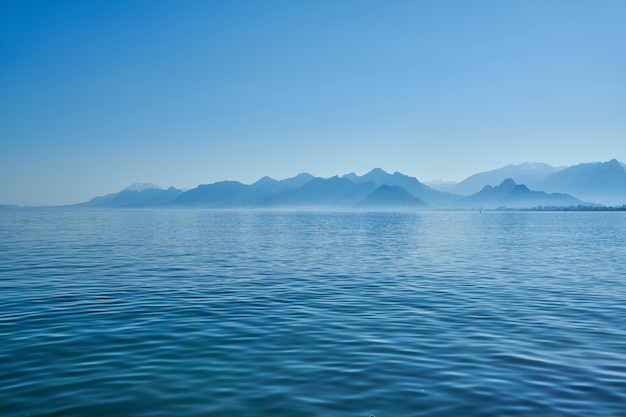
(203, 313)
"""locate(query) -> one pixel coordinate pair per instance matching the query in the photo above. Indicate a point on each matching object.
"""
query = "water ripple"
(159, 313)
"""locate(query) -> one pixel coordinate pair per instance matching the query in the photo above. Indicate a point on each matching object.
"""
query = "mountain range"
(511, 195)
(580, 185)
(599, 182)
(603, 182)
(528, 173)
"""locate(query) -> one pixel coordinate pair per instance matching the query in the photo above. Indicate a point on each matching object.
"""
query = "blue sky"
(97, 95)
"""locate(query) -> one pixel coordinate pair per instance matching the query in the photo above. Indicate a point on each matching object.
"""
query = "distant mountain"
(306, 191)
(412, 185)
(377, 176)
(141, 186)
(439, 185)
(320, 193)
(146, 197)
(391, 196)
(529, 173)
(600, 182)
(511, 195)
(597, 182)
(267, 185)
(223, 194)
(233, 194)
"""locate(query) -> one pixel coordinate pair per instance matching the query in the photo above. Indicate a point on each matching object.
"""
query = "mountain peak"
(613, 162)
(377, 171)
(599, 182)
(141, 186)
(377, 175)
(535, 166)
(391, 196)
(265, 180)
(508, 184)
(529, 173)
(304, 175)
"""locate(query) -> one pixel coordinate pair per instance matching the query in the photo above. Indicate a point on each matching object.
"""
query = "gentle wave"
(159, 313)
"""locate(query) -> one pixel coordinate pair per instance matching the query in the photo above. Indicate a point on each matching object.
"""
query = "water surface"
(185, 312)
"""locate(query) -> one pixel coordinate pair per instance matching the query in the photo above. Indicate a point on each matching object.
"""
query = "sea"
(327, 314)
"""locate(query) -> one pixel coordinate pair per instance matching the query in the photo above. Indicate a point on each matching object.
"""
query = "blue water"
(202, 313)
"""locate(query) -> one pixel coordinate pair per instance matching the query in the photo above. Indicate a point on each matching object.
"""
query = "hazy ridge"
(527, 185)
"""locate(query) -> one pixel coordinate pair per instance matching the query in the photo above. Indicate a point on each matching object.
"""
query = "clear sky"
(96, 95)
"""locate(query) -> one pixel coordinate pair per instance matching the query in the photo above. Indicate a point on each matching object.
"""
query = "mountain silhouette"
(412, 185)
(511, 195)
(392, 196)
(223, 194)
(601, 182)
(144, 197)
(141, 186)
(233, 194)
(320, 192)
(267, 185)
(529, 173)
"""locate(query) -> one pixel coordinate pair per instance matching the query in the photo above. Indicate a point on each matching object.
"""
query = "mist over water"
(246, 313)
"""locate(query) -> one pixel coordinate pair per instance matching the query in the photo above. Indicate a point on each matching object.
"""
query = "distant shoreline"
(329, 209)
(571, 208)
